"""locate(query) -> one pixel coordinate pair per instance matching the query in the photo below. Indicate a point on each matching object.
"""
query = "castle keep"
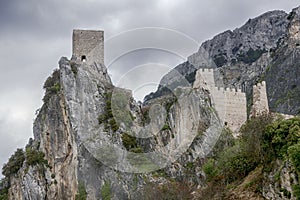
(88, 46)
(230, 104)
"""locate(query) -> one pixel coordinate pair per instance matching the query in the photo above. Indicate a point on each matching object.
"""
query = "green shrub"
(106, 191)
(296, 191)
(210, 169)
(34, 157)
(15, 162)
(166, 127)
(233, 159)
(279, 136)
(4, 189)
(252, 136)
(81, 194)
(52, 85)
(117, 107)
(129, 141)
(234, 164)
(294, 155)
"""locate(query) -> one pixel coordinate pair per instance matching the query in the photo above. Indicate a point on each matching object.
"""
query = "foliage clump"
(15, 162)
(116, 110)
(4, 189)
(81, 193)
(52, 85)
(107, 117)
(34, 157)
(262, 141)
(130, 143)
(106, 191)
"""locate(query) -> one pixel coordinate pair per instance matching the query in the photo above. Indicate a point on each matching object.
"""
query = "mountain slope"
(264, 48)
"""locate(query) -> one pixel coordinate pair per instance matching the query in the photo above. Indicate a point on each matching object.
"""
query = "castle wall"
(230, 104)
(88, 44)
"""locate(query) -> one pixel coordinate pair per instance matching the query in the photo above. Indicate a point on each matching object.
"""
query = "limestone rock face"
(280, 182)
(68, 132)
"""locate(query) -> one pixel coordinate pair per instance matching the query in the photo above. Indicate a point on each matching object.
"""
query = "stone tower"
(88, 46)
(260, 100)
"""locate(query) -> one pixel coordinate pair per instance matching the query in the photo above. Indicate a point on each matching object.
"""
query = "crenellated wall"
(230, 103)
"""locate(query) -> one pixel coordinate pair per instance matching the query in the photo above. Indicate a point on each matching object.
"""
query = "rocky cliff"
(88, 146)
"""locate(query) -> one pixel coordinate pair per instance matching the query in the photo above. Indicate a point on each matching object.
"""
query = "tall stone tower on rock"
(88, 46)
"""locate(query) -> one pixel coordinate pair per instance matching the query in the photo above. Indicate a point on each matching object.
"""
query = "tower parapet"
(88, 46)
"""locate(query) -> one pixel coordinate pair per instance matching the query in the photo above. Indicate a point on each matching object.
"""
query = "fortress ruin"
(88, 46)
(230, 103)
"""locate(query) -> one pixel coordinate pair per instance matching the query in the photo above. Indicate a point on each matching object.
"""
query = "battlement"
(206, 70)
(88, 46)
(233, 90)
(259, 85)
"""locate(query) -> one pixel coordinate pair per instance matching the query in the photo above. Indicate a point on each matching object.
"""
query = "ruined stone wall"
(260, 100)
(88, 46)
(230, 104)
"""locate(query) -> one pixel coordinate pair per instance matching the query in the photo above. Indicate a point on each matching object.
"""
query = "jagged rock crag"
(68, 132)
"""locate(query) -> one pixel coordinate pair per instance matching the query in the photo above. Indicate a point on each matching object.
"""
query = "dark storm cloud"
(34, 34)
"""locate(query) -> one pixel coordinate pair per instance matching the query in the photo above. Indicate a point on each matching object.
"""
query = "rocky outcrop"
(84, 149)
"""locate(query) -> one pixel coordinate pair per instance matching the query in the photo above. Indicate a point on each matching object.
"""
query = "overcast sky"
(34, 34)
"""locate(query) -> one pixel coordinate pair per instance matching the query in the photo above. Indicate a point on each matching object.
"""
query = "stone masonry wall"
(260, 100)
(230, 104)
(88, 44)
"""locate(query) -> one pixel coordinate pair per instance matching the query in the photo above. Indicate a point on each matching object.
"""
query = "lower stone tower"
(260, 100)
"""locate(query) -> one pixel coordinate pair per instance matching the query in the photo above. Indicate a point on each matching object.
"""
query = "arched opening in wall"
(83, 58)
(226, 123)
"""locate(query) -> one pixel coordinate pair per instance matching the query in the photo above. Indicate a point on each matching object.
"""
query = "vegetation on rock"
(81, 194)
(262, 141)
(52, 85)
(106, 191)
(15, 162)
